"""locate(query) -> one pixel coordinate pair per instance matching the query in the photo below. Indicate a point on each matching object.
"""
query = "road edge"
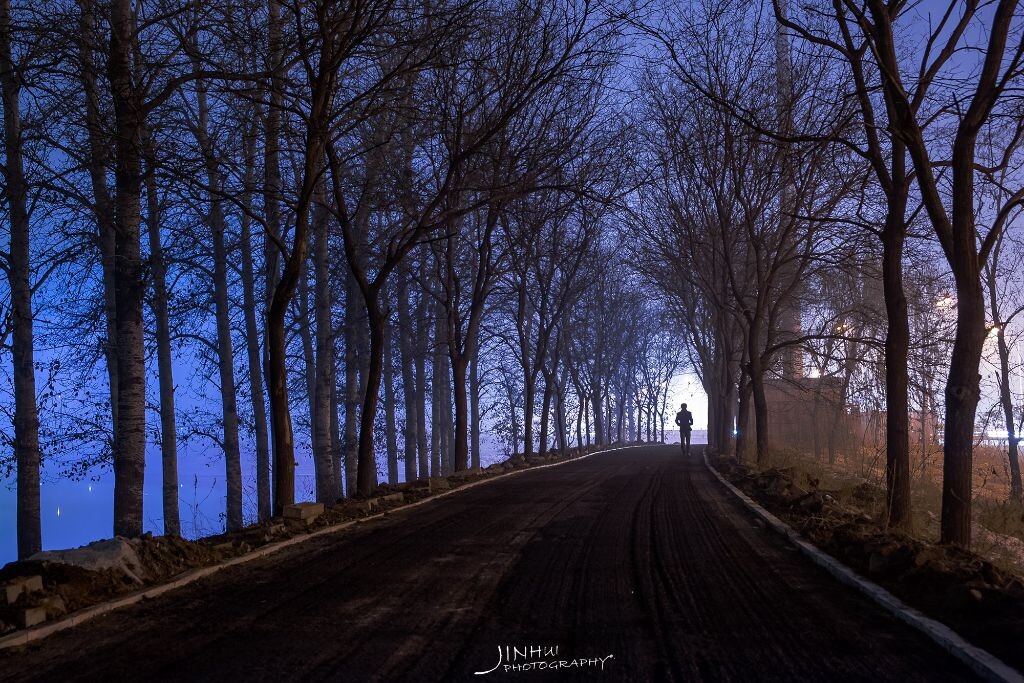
(982, 662)
(36, 633)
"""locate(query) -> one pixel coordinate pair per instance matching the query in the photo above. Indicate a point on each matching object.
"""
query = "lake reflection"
(77, 512)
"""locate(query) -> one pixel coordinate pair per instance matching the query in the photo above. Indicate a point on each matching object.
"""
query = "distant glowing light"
(58, 511)
(815, 373)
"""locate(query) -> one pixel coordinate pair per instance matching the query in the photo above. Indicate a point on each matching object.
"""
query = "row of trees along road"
(326, 229)
(276, 226)
(807, 163)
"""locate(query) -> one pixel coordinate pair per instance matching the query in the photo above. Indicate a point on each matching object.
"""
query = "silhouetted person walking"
(684, 418)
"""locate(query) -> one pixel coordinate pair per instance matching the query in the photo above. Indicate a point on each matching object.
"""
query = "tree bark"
(26, 415)
(337, 450)
(277, 378)
(474, 409)
(438, 383)
(366, 471)
(1005, 393)
(598, 412)
(272, 225)
(743, 417)
(1006, 399)
(103, 205)
(390, 428)
(252, 340)
(545, 413)
(756, 376)
(421, 350)
(405, 352)
(305, 320)
(225, 346)
(323, 457)
(165, 370)
(897, 345)
(353, 390)
(129, 280)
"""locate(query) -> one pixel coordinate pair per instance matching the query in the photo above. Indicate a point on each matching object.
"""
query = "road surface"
(635, 564)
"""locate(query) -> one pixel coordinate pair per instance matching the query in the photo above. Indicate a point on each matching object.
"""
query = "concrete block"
(12, 592)
(32, 616)
(32, 584)
(439, 484)
(54, 606)
(273, 530)
(363, 505)
(393, 498)
(23, 584)
(305, 512)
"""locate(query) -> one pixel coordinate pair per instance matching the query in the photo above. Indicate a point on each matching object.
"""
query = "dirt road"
(635, 564)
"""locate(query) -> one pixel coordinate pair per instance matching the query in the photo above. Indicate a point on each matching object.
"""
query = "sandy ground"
(638, 554)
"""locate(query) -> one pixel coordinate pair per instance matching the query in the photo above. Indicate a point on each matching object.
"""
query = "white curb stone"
(983, 663)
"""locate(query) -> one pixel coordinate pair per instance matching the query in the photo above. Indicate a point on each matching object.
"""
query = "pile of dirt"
(65, 589)
(978, 600)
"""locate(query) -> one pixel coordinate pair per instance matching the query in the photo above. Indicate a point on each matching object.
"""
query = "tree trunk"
(962, 394)
(323, 387)
(366, 475)
(421, 350)
(252, 340)
(353, 389)
(447, 443)
(405, 352)
(580, 413)
(129, 279)
(272, 227)
(560, 412)
(304, 319)
(460, 446)
(756, 376)
(714, 392)
(437, 381)
(103, 205)
(232, 455)
(545, 412)
(474, 409)
(1006, 399)
(897, 345)
(26, 415)
(513, 418)
(598, 414)
(461, 443)
(280, 412)
(390, 429)
(277, 375)
(337, 452)
(743, 417)
(165, 370)
(225, 347)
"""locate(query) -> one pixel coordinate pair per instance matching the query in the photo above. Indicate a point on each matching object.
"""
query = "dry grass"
(998, 528)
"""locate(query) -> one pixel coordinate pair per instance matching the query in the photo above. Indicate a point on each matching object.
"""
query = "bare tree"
(18, 266)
